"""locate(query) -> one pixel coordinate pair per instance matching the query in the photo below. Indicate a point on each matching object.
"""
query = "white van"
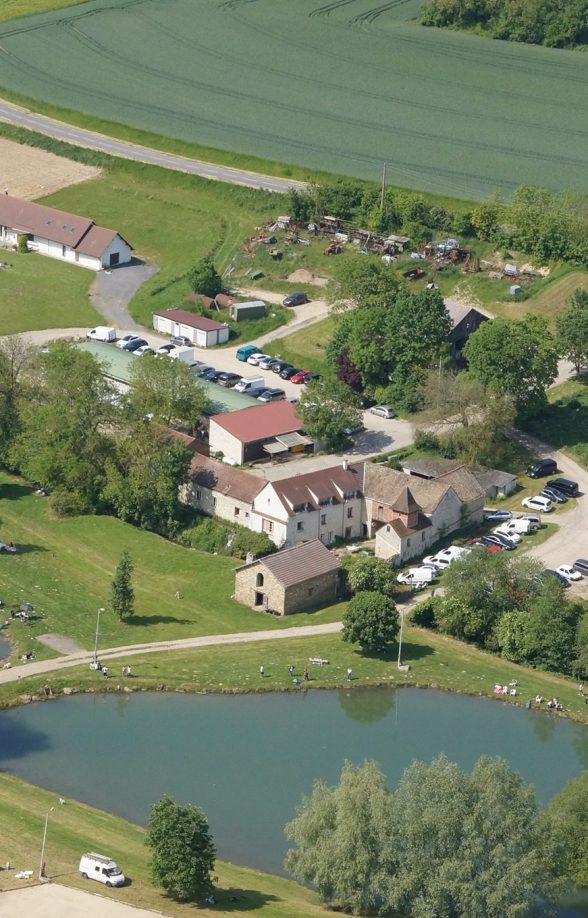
(520, 526)
(249, 382)
(446, 556)
(102, 333)
(98, 867)
(184, 354)
(417, 575)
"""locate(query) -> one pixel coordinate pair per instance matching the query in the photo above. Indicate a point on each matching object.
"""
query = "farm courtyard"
(342, 86)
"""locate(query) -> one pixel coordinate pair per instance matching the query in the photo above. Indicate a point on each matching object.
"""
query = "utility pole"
(96, 640)
(42, 861)
(400, 640)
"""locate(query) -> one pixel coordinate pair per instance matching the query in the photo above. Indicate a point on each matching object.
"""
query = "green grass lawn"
(11, 9)
(166, 62)
(39, 292)
(565, 423)
(305, 348)
(75, 828)
(65, 569)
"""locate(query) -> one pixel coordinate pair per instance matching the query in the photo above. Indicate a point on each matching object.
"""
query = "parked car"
(497, 516)
(203, 370)
(490, 547)
(366, 402)
(543, 504)
(542, 468)
(255, 359)
(446, 556)
(134, 344)
(256, 391)
(383, 411)
(166, 349)
(300, 377)
(246, 350)
(553, 494)
(310, 376)
(122, 342)
(564, 486)
(567, 571)
(563, 580)
(295, 299)
(532, 518)
(503, 541)
(143, 351)
(271, 395)
(181, 341)
(581, 565)
(267, 363)
(521, 527)
(279, 365)
(417, 575)
(288, 372)
(228, 380)
(511, 534)
(102, 333)
(212, 375)
(350, 431)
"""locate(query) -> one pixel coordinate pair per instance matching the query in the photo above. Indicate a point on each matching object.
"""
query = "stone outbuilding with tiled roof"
(219, 490)
(292, 580)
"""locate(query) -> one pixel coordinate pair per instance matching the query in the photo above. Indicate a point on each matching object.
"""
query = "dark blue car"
(134, 344)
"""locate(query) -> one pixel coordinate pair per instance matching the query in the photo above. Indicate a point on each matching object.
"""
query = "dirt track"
(26, 172)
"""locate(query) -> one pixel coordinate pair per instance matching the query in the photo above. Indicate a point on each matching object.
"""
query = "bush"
(423, 615)
(69, 503)
(216, 537)
(427, 441)
(205, 534)
(23, 245)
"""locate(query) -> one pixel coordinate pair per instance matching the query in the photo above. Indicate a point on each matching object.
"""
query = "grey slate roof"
(303, 562)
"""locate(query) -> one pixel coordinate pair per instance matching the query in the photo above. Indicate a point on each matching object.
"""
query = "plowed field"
(343, 86)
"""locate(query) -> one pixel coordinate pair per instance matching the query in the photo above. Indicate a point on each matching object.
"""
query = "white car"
(166, 349)
(257, 358)
(122, 342)
(446, 556)
(537, 503)
(509, 533)
(143, 351)
(415, 575)
(567, 571)
(383, 411)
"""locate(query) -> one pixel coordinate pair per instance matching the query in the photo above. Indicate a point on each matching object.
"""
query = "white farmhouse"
(60, 235)
(199, 330)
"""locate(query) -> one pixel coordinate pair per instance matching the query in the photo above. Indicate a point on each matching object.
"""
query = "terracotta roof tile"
(190, 319)
(217, 476)
(260, 422)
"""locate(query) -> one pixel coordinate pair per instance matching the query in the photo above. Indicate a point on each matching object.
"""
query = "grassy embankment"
(13, 9)
(75, 828)
(565, 422)
(65, 567)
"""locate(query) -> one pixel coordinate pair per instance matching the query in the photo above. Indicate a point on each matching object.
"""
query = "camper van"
(98, 867)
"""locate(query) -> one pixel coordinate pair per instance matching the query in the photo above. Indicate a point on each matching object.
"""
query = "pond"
(247, 759)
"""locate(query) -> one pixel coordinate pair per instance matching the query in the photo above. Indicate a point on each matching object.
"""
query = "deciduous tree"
(168, 390)
(568, 816)
(328, 408)
(360, 281)
(122, 592)
(572, 329)
(370, 620)
(183, 852)
(204, 278)
(371, 574)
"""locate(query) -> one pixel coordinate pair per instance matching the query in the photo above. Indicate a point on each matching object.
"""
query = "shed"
(293, 580)
(201, 331)
(253, 309)
(242, 435)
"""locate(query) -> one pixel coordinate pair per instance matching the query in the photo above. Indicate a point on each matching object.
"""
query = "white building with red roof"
(60, 235)
(200, 331)
(252, 433)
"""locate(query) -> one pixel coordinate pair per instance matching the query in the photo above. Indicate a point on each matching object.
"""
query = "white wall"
(220, 441)
(117, 245)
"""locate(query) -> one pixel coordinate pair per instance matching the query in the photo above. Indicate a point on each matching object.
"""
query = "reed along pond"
(246, 759)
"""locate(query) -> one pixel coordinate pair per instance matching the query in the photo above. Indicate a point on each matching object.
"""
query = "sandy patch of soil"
(26, 172)
(302, 276)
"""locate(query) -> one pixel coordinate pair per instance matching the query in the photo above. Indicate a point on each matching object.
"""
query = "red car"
(300, 376)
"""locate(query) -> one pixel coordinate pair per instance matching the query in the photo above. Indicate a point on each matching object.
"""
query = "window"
(198, 494)
(267, 526)
(348, 532)
(300, 526)
(408, 543)
(310, 591)
(214, 501)
(323, 519)
(63, 251)
(114, 258)
(259, 580)
(237, 511)
(349, 512)
(380, 513)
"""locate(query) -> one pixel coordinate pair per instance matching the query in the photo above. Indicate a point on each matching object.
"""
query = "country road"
(79, 137)
(76, 659)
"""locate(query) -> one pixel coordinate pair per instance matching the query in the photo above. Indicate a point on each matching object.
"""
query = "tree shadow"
(18, 740)
(14, 491)
(26, 549)
(415, 651)
(235, 899)
(157, 620)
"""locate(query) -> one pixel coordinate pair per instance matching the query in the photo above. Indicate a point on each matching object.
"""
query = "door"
(114, 259)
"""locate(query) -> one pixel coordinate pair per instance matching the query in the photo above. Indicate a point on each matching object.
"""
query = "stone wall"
(310, 594)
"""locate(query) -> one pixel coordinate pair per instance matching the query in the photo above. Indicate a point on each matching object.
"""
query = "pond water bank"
(247, 759)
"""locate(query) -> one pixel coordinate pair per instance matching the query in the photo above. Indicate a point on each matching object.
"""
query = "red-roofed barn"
(252, 433)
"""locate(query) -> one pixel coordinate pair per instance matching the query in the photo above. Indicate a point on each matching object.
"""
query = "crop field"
(342, 86)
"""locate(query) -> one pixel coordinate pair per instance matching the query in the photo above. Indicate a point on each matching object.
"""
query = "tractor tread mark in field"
(346, 121)
(330, 8)
(370, 16)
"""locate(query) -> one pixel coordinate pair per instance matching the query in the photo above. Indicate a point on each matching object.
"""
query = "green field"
(341, 86)
(38, 292)
(65, 568)
(75, 828)
(565, 422)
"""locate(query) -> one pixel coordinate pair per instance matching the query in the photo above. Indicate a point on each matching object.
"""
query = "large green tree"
(444, 843)
(143, 478)
(370, 620)
(63, 441)
(572, 329)
(328, 408)
(168, 390)
(204, 278)
(516, 358)
(370, 574)
(568, 815)
(122, 592)
(16, 367)
(340, 834)
(183, 851)
(360, 281)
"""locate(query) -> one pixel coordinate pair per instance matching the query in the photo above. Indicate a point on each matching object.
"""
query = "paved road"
(113, 290)
(79, 137)
(40, 667)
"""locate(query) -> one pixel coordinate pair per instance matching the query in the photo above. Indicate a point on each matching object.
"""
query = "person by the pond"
(105, 672)
(581, 688)
(306, 676)
(296, 682)
(291, 669)
(349, 673)
(261, 671)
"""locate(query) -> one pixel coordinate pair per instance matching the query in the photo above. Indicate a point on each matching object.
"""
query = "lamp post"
(42, 861)
(400, 639)
(97, 630)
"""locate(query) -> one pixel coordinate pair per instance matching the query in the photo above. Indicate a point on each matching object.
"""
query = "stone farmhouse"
(61, 235)
(292, 580)
(405, 515)
(494, 482)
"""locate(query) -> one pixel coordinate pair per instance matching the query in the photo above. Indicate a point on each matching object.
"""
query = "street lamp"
(42, 861)
(400, 639)
(97, 630)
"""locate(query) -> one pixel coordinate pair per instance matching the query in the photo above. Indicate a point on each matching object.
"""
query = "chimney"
(345, 464)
